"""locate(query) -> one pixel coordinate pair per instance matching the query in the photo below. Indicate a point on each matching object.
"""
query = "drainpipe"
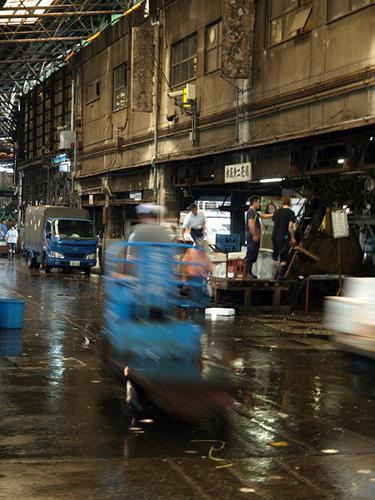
(156, 25)
(19, 197)
(106, 233)
(72, 128)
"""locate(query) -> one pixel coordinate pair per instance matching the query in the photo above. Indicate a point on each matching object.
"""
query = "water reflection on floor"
(298, 430)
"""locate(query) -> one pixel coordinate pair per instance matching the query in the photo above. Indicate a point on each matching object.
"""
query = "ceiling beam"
(70, 13)
(26, 61)
(43, 39)
(108, 5)
(35, 32)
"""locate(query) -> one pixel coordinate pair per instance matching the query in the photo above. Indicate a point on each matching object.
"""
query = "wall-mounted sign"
(239, 172)
(340, 224)
(91, 199)
(64, 166)
(56, 160)
(136, 196)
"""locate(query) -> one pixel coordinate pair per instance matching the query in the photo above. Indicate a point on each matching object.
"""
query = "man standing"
(253, 233)
(283, 234)
(196, 222)
(252, 236)
(11, 239)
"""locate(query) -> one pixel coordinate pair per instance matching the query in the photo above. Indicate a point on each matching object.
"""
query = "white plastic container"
(360, 288)
(220, 311)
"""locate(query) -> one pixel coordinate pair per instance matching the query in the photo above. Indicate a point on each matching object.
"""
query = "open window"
(288, 19)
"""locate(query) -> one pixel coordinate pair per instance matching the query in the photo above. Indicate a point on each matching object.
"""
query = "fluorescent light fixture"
(272, 179)
(371, 138)
(341, 161)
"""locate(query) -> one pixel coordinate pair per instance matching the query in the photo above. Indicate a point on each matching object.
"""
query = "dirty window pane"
(276, 31)
(280, 7)
(338, 8)
(213, 41)
(120, 85)
(357, 4)
(183, 60)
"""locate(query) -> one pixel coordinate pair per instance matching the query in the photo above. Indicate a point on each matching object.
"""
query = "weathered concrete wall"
(313, 82)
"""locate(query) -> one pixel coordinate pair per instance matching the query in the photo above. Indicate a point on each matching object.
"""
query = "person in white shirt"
(11, 239)
(195, 222)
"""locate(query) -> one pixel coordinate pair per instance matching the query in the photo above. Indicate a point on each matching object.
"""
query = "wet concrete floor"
(300, 432)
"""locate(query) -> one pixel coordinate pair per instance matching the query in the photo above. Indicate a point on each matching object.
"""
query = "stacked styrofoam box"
(354, 315)
(360, 288)
(265, 268)
(220, 311)
(236, 255)
(219, 264)
(343, 314)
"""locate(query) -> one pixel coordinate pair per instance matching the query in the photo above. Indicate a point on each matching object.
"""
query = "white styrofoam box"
(236, 255)
(344, 314)
(220, 311)
(360, 288)
(265, 268)
(217, 257)
(219, 269)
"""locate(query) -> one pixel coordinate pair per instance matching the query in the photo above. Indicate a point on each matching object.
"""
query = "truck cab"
(68, 243)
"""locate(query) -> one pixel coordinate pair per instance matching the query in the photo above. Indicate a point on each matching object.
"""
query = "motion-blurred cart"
(146, 344)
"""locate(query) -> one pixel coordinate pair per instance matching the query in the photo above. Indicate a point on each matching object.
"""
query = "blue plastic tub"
(11, 313)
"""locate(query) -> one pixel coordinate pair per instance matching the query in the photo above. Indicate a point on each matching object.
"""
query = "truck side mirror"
(48, 235)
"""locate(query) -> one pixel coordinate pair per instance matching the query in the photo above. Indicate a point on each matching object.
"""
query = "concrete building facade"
(283, 87)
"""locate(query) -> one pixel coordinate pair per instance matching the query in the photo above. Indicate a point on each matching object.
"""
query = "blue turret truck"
(60, 237)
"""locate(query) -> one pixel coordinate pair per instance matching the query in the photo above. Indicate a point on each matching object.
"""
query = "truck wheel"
(30, 261)
(88, 271)
(46, 267)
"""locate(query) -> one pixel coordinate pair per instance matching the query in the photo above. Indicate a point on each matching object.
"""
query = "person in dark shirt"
(253, 232)
(283, 234)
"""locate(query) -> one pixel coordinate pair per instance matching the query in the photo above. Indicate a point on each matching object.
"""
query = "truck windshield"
(75, 229)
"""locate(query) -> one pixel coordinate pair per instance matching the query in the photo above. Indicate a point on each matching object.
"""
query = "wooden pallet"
(227, 287)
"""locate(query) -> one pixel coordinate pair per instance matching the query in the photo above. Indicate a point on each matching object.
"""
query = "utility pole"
(156, 25)
(73, 166)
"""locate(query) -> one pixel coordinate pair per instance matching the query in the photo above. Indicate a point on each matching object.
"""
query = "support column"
(166, 193)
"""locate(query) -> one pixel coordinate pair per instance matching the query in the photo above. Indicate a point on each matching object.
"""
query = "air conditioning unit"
(67, 139)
